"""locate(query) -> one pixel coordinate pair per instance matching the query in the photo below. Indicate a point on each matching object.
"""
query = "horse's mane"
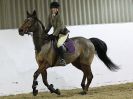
(43, 27)
(44, 36)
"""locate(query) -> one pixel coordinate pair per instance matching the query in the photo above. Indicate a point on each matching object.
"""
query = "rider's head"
(54, 7)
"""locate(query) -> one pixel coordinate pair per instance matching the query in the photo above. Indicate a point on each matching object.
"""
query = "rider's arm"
(59, 26)
(48, 26)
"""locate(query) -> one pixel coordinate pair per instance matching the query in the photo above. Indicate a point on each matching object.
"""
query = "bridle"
(28, 23)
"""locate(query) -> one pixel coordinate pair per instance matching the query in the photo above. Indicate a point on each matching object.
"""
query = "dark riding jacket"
(57, 24)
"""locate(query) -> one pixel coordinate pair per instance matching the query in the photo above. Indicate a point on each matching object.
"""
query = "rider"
(60, 31)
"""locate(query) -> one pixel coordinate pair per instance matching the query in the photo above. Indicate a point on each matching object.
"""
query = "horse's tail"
(101, 49)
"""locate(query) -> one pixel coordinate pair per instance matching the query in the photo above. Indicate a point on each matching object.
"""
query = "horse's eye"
(30, 19)
(28, 23)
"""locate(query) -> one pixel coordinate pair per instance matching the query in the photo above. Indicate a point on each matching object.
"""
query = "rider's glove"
(52, 37)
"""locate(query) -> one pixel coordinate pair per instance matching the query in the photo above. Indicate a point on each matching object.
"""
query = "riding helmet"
(54, 5)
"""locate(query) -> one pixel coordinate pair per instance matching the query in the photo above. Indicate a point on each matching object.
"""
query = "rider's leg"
(61, 40)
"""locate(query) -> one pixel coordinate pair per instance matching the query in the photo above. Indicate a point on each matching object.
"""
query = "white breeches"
(61, 40)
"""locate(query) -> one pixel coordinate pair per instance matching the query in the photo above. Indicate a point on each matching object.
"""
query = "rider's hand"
(45, 31)
(51, 36)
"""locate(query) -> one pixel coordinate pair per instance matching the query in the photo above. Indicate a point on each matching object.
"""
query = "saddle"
(68, 45)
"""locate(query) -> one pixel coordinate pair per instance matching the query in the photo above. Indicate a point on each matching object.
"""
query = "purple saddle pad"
(69, 44)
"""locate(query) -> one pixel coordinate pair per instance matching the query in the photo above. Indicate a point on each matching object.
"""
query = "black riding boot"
(61, 55)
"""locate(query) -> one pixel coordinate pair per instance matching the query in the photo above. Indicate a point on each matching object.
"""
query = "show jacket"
(56, 22)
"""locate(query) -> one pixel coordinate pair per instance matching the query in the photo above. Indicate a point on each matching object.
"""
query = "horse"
(46, 55)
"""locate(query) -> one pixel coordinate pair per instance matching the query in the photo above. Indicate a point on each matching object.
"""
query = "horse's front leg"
(35, 83)
(50, 87)
(41, 68)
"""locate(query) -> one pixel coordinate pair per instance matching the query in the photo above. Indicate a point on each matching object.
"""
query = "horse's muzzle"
(21, 32)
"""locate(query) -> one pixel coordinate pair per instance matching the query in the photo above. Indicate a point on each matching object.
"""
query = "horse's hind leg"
(77, 65)
(83, 81)
(88, 73)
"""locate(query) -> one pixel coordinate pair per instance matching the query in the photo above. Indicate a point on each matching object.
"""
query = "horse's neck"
(40, 39)
(37, 39)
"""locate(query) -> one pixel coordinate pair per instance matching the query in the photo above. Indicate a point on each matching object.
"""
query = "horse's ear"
(28, 14)
(34, 13)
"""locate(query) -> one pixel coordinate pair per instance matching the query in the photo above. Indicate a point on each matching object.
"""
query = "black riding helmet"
(54, 5)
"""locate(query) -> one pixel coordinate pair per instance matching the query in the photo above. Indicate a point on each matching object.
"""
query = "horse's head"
(29, 23)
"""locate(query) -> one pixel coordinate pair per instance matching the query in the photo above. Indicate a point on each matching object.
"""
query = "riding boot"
(61, 55)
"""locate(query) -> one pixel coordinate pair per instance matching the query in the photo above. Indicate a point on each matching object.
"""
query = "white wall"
(17, 62)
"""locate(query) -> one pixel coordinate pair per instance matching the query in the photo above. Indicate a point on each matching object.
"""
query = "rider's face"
(54, 10)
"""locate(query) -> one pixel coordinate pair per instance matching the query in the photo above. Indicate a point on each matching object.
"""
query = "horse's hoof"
(35, 83)
(83, 93)
(57, 91)
(51, 85)
(51, 88)
(83, 86)
(35, 92)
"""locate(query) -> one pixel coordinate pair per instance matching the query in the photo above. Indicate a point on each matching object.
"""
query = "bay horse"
(46, 55)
